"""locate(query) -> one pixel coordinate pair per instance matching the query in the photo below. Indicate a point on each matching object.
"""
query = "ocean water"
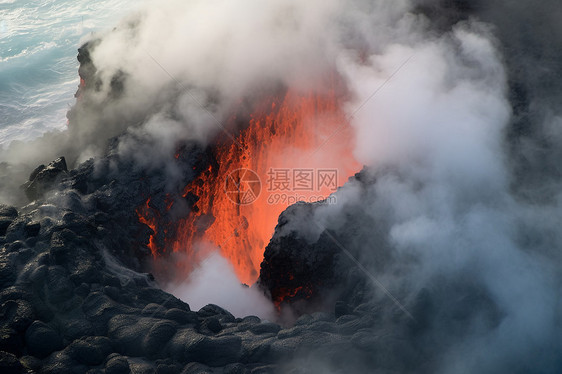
(38, 66)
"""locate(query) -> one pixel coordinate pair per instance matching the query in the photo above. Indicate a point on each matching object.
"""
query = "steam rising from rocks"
(214, 281)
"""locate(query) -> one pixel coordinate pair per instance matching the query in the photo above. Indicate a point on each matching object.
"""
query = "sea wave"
(38, 67)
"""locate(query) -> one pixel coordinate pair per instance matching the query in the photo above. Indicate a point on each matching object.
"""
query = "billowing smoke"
(214, 281)
(461, 142)
(455, 110)
(187, 66)
(177, 71)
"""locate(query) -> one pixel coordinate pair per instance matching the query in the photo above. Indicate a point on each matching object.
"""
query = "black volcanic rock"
(7, 215)
(90, 351)
(8, 272)
(11, 341)
(59, 287)
(41, 339)
(5, 222)
(181, 316)
(9, 364)
(214, 351)
(78, 328)
(212, 324)
(301, 271)
(212, 310)
(265, 328)
(117, 365)
(44, 178)
(158, 336)
(7, 211)
(32, 229)
(16, 314)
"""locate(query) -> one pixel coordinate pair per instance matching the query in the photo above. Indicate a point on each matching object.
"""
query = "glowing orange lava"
(299, 146)
(146, 216)
(283, 293)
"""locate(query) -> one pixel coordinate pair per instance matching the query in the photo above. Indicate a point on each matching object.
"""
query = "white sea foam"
(38, 67)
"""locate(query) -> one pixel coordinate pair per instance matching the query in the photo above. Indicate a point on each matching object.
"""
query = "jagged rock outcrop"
(45, 178)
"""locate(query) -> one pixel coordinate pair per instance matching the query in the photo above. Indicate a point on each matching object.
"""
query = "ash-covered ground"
(443, 255)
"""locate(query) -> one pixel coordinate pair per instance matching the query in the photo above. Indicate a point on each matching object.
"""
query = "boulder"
(9, 364)
(100, 309)
(132, 334)
(77, 328)
(32, 229)
(212, 324)
(8, 272)
(212, 310)
(214, 351)
(91, 350)
(5, 222)
(181, 316)
(117, 365)
(11, 341)
(31, 363)
(154, 310)
(257, 350)
(16, 314)
(158, 336)
(7, 211)
(41, 340)
(196, 368)
(265, 328)
(235, 369)
(44, 178)
(59, 288)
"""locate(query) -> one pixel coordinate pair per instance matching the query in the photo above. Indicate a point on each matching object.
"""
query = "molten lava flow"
(289, 135)
(146, 216)
(234, 211)
(283, 294)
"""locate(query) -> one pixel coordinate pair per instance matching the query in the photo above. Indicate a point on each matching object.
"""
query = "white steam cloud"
(214, 282)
